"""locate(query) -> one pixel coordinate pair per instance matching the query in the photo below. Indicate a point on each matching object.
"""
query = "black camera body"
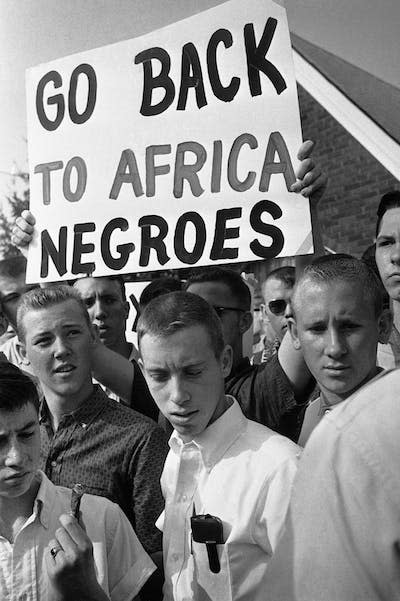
(208, 529)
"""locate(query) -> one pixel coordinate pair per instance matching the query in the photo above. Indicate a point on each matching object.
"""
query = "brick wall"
(356, 180)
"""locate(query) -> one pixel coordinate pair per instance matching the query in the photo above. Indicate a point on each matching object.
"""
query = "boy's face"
(19, 451)
(106, 307)
(277, 293)
(185, 378)
(338, 332)
(11, 290)
(58, 345)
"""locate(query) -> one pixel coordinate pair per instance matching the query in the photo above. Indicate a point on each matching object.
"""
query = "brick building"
(354, 118)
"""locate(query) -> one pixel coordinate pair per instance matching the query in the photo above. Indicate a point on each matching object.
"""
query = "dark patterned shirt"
(113, 452)
(264, 394)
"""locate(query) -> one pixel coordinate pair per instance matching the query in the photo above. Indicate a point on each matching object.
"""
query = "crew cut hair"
(170, 313)
(16, 388)
(233, 280)
(285, 274)
(341, 268)
(42, 298)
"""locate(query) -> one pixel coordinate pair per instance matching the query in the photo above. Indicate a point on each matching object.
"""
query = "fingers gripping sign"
(23, 230)
(70, 565)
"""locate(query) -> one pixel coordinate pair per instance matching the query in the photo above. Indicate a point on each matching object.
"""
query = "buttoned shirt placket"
(179, 511)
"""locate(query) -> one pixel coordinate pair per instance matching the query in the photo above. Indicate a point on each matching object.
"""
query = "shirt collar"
(44, 501)
(86, 412)
(214, 441)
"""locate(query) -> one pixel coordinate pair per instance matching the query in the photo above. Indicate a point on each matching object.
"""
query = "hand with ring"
(70, 565)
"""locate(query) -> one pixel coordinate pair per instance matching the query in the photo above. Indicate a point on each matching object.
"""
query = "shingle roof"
(378, 99)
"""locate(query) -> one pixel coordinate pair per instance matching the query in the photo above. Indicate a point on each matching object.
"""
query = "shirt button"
(175, 557)
(54, 464)
(84, 425)
(184, 498)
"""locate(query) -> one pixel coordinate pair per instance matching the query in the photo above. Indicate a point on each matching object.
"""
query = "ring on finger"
(54, 551)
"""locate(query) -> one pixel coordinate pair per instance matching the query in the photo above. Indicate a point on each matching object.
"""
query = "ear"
(226, 360)
(21, 349)
(246, 321)
(385, 324)
(126, 309)
(292, 326)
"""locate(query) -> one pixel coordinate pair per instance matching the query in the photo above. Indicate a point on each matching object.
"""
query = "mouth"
(182, 416)
(66, 368)
(336, 368)
(16, 477)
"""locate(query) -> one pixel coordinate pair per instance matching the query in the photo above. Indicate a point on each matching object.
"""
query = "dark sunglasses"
(278, 306)
(220, 310)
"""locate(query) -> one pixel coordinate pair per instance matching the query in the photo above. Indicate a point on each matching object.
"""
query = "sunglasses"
(220, 310)
(278, 306)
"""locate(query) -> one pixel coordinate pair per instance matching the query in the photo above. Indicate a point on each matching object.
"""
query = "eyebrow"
(27, 426)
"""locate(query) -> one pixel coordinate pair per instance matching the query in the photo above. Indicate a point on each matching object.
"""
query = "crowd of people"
(176, 470)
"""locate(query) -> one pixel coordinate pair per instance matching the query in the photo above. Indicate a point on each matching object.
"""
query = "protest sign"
(171, 150)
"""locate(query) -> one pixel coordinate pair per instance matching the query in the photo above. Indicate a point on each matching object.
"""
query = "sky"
(363, 32)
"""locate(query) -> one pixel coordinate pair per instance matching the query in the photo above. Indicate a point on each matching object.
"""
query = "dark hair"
(113, 278)
(233, 280)
(344, 268)
(13, 267)
(16, 388)
(175, 311)
(41, 298)
(285, 274)
(390, 200)
(158, 287)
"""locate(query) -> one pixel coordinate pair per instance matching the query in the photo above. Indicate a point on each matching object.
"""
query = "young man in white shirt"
(46, 553)
(224, 473)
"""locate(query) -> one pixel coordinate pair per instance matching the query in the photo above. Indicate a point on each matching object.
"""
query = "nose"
(179, 394)
(335, 344)
(15, 455)
(395, 254)
(61, 347)
(99, 309)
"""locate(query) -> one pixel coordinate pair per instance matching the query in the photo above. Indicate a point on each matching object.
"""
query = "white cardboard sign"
(170, 150)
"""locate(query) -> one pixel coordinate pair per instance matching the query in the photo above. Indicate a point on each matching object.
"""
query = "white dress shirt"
(241, 472)
(122, 565)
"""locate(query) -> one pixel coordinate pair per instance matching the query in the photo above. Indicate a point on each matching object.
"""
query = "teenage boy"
(47, 553)
(338, 320)
(88, 438)
(227, 480)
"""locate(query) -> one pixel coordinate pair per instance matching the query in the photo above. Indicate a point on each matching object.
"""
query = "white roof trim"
(360, 126)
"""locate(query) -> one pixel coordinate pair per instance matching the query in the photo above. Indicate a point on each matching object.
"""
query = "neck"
(122, 347)
(16, 510)
(396, 314)
(62, 405)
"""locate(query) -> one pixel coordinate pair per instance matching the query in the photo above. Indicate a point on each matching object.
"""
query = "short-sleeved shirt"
(122, 565)
(266, 396)
(342, 534)
(242, 473)
(113, 452)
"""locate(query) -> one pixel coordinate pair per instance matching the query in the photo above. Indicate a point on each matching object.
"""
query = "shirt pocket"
(209, 586)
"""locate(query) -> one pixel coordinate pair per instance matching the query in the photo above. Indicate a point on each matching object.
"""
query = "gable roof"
(376, 98)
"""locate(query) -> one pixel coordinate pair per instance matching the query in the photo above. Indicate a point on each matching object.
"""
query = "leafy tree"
(13, 205)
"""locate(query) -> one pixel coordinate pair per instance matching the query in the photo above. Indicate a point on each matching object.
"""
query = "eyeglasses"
(278, 306)
(220, 310)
